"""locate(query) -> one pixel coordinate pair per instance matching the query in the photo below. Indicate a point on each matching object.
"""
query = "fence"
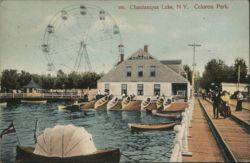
(182, 132)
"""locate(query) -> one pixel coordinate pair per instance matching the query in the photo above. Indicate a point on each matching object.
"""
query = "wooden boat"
(114, 104)
(148, 105)
(176, 107)
(3, 104)
(89, 105)
(102, 103)
(148, 127)
(173, 115)
(25, 154)
(130, 105)
(34, 101)
(73, 107)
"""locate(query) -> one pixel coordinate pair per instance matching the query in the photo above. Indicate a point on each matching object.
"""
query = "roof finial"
(146, 48)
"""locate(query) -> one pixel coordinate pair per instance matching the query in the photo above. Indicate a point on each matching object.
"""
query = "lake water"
(109, 130)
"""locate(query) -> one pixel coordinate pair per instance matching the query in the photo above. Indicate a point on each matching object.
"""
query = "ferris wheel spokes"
(79, 34)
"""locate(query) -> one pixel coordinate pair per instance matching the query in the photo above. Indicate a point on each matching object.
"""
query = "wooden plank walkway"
(243, 115)
(237, 137)
(202, 143)
(245, 105)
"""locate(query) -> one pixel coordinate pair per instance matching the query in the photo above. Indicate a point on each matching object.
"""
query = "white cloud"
(127, 27)
(147, 29)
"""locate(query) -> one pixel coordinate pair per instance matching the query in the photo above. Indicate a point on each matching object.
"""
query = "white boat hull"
(3, 104)
(34, 102)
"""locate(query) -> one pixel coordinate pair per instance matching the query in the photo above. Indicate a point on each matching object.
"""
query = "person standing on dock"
(239, 101)
(225, 99)
(216, 98)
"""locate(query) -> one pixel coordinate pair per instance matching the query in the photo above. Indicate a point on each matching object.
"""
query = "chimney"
(121, 51)
(121, 58)
(146, 48)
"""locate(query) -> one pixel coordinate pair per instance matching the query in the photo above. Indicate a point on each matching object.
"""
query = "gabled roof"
(171, 62)
(175, 65)
(141, 58)
(32, 84)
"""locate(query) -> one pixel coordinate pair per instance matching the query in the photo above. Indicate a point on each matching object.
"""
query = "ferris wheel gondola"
(82, 37)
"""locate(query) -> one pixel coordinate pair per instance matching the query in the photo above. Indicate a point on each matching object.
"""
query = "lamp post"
(194, 64)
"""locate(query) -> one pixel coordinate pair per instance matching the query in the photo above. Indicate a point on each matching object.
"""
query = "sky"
(220, 27)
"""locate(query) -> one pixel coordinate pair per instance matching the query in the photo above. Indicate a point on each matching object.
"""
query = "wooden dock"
(201, 141)
(234, 136)
(10, 97)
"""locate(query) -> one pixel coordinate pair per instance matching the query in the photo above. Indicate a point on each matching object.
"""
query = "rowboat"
(3, 104)
(89, 105)
(148, 127)
(114, 104)
(66, 143)
(73, 107)
(34, 101)
(148, 105)
(101, 103)
(176, 107)
(130, 105)
(26, 154)
(160, 114)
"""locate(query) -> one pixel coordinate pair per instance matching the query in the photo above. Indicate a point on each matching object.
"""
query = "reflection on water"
(109, 130)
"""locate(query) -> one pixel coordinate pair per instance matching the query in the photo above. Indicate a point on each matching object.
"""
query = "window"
(124, 89)
(140, 71)
(128, 71)
(140, 89)
(152, 71)
(157, 89)
(106, 88)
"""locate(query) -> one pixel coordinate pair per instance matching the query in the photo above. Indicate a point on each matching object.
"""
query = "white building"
(233, 87)
(143, 75)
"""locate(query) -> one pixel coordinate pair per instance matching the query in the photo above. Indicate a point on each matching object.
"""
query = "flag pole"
(16, 135)
(35, 131)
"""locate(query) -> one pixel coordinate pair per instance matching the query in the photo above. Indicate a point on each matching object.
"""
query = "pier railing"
(182, 132)
(50, 95)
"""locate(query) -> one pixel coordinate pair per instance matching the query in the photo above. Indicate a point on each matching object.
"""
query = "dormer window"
(140, 71)
(128, 71)
(152, 71)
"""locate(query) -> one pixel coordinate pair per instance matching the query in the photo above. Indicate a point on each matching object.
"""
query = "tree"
(61, 79)
(188, 72)
(214, 73)
(24, 78)
(9, 80)
(243, 70)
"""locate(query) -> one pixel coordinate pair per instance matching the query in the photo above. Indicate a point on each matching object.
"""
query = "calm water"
(109, 130)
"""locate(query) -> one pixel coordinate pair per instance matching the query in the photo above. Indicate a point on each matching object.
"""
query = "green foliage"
(243, 69)
(189, 72)
(11, 79)
(216, 71)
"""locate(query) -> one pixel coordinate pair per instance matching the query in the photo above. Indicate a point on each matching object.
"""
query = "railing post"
(177, 154)
(185, 125)
(191, 107)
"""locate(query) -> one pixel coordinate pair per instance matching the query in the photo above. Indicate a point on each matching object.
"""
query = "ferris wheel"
(82, 38)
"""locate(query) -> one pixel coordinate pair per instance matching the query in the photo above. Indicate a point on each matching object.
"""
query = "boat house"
(145, 76)
(32, 87)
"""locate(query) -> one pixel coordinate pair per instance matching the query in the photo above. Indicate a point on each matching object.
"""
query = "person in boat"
(148, 100)
(98, 95)
(225, 101)
(167, 104)
(239, 101)
(132, 96)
